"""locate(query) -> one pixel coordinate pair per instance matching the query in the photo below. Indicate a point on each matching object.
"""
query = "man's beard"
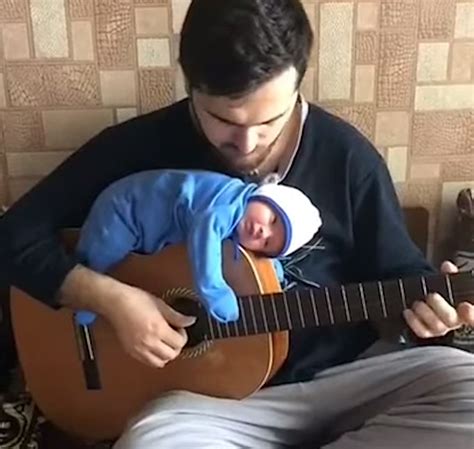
(245, 164)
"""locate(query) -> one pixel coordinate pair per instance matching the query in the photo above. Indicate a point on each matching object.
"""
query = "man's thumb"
(177, 319)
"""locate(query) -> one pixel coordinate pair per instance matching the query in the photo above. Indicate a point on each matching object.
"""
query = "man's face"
(244, 129)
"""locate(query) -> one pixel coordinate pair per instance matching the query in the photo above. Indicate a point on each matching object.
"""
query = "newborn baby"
(147, 211)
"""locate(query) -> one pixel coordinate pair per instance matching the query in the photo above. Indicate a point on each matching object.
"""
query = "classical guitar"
(86, 385)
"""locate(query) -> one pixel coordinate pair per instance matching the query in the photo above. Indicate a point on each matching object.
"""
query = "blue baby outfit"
(146, 211)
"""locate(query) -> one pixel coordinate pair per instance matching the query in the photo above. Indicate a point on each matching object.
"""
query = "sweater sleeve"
(383, 247)
(32, 255)
(205, 251)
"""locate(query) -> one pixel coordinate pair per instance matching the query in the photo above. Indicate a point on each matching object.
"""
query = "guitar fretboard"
(302, 308)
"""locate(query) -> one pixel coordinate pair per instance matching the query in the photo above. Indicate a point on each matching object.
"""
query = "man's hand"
(149, 330)
(435, 317)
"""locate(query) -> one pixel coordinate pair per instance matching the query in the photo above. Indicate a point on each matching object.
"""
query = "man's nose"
(246, 139)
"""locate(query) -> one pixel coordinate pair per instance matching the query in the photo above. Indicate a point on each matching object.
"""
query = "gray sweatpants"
(412, 399)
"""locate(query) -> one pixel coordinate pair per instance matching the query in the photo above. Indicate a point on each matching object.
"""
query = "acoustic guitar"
(86, 385)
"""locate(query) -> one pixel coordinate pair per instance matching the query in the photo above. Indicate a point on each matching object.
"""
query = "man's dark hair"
(232, 47)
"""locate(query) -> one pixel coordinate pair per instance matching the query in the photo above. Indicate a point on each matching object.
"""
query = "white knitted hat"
(299, 215)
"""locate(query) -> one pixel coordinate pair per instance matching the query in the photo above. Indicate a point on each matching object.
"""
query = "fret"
(236, 328)
(402, 294)
(211, 327)
(450, 289)
(219, 330)
(252, 312)
(244, 318)
(287, 311)
(363, 300)
(328, 302)
(265, 323)
(346, 305)
(298, 302)
(423, 286)
(313, 306)
(382, 299)
(277, 321)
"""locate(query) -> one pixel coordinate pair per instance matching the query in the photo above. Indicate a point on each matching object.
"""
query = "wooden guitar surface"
(49, 355)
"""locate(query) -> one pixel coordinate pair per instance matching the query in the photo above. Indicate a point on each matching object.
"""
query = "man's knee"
(451, 369)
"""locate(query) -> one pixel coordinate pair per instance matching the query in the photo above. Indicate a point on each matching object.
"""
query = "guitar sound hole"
(190, 307)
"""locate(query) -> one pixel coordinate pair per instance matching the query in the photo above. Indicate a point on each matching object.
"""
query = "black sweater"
(363, 236)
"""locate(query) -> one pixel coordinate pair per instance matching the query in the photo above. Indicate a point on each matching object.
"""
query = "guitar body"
(49, 355)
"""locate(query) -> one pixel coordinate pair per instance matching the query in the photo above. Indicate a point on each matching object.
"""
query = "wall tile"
(464, 25)
(19, 186)
(436, 19)
(364, 83)
(49, 28)
(118, 87)
(178, 10)
(459, 96)
(52, 85)
(124, 114)
(432, 61)
(459, 168)
(34, 164)
(396, 68)
(80, 9)
(366, 48)
(367, 15)
(12, 10)
(307, 85)
(442, 133)
(154, 52)
(156, 89)
(462, 65)
(397, 158)
(15, 41)
(82, 41)
(3, 99)
(69, 129)
(335, 51)
(398, 14)
(23, 131)
(151, 21)
(425, 171)
(392, 128)
(424, 193)
(361, 116)
(179, 85)
(310, 9)
(114, 29)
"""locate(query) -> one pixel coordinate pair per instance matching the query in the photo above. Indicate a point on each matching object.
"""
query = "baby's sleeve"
(205, 252)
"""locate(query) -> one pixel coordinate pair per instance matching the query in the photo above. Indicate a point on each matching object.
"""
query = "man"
(243, 61)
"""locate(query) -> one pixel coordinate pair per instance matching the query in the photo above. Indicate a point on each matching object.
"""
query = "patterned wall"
(401, 70)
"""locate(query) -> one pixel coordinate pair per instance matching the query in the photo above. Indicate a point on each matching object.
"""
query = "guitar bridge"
(87, 354)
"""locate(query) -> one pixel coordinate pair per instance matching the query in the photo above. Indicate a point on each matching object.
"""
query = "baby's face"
(261, 229)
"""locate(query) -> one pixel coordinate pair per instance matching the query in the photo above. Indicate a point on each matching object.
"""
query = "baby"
(146, 211)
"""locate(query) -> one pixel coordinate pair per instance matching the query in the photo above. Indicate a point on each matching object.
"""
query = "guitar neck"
(305, 308)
